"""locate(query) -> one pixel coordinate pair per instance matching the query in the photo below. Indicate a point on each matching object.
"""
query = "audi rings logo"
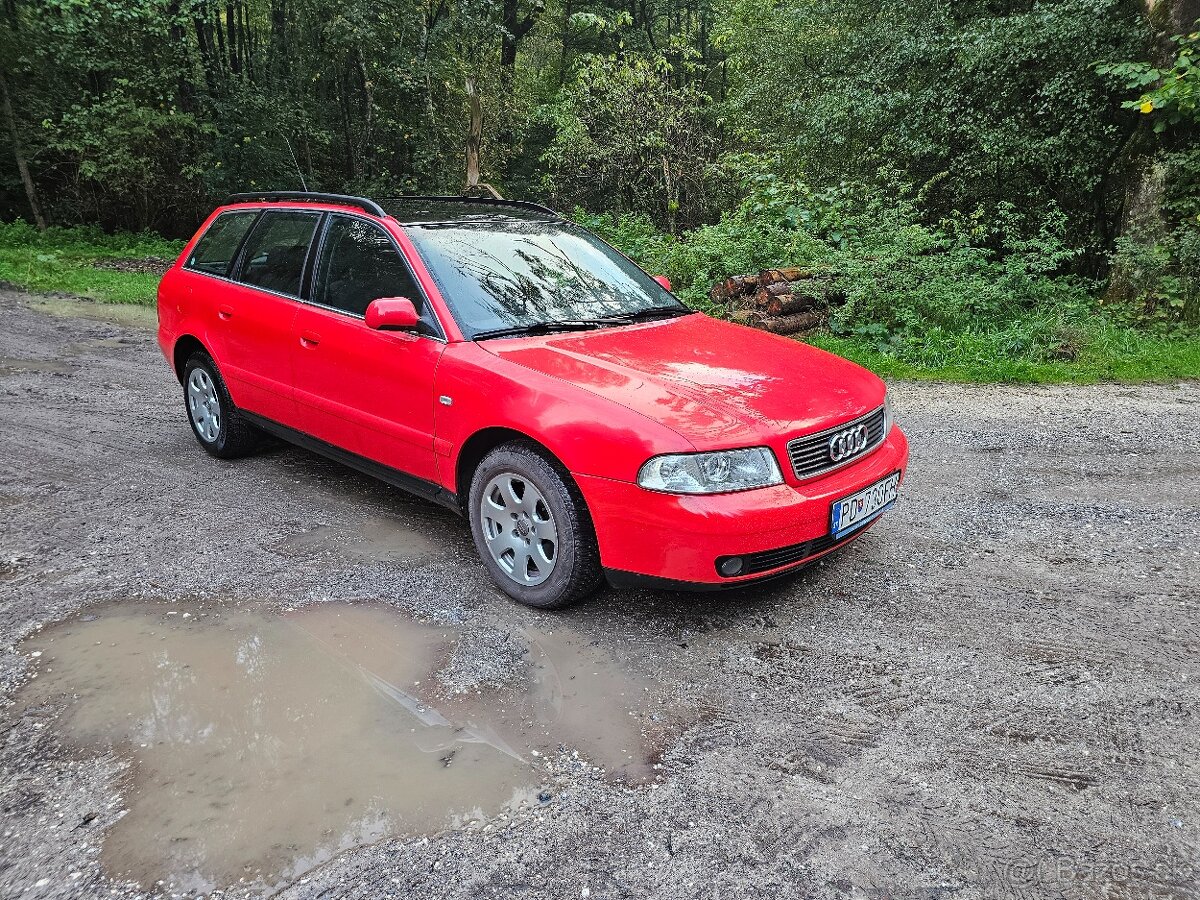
(845, 444)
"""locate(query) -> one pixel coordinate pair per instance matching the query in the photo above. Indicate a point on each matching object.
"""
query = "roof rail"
(484, 201)
(361, 202)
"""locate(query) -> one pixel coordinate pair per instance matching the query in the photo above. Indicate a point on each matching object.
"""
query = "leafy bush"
(1170, 95)
(1161, 272)
(924, 295)
(88, 241)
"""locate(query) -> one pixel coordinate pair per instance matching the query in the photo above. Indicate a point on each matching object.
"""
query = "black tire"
(235, 436)
(576, 570)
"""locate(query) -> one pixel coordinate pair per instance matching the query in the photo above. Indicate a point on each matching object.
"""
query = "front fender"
(590, 435)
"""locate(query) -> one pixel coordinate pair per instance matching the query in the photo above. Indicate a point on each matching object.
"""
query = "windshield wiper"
(659, 312)
(643, 315)
(652, 312)
(545, 327)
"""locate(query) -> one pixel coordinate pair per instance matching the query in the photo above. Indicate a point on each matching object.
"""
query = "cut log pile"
(782, 301)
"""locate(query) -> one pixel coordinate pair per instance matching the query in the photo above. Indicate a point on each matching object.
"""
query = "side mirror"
(664, 281)
(392, 314)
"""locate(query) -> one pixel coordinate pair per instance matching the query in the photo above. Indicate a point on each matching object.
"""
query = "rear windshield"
(502, 273)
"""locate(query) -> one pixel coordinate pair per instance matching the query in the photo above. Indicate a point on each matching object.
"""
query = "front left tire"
(532, 529)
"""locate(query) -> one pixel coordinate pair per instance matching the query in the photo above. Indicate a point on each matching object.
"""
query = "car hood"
(714, 383)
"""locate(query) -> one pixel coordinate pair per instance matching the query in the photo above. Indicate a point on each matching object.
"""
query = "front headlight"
(887, 415)
(711, 473)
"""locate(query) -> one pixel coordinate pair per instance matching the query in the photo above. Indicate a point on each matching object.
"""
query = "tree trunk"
(515, 28)
(184, 89)
(1141, 215)
(244, 40)
(672, 199)
(19, 154)
(474, 186)
(565, 42)
(278, 63)
(1173, 16)
(219, 31)
(474, 134)
(231, 39)
(432, 16)
(803, 321)
(368, 105)
(204, 44)
(348, 126)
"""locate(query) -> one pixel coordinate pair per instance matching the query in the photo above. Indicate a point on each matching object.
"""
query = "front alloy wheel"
(519, 528)
(531, 527)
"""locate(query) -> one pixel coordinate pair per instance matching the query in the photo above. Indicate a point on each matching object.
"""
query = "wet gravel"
(993, 693)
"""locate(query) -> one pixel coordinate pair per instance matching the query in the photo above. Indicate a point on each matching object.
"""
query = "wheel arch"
(185, 346)
(483, 442)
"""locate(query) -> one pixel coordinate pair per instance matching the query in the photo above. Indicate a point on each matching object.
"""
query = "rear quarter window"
(218, 245)
(274, 256)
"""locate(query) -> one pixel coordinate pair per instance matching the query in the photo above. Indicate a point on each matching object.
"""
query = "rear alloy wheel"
(532, 529)
(219, 426)
(203, 405)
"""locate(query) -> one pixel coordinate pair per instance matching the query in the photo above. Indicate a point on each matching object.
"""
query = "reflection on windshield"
(499, 274)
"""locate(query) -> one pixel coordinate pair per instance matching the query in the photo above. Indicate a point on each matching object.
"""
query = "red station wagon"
(498, 359)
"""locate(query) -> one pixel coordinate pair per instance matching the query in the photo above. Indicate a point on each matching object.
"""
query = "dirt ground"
(996, 692)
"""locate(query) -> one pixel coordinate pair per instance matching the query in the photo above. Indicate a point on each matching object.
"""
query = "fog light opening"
(730, 566)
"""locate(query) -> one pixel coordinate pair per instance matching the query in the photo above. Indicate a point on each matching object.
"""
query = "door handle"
(308, 339)
(225, 312)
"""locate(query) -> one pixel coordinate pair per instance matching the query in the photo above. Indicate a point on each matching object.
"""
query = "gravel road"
(996, 692)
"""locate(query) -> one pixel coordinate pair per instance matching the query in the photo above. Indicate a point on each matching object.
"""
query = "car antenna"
(294, 162)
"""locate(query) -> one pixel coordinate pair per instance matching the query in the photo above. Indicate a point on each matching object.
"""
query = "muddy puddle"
(128, 314)
(66, 362)
(264, 744)
(12, 365)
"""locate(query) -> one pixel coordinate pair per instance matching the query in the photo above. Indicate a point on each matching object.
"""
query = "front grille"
(810, 454)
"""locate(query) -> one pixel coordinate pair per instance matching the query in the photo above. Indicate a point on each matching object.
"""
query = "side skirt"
(426, 490)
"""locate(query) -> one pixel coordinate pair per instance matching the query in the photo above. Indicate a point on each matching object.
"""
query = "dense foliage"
(902, 286)
(966, 106)
(984, 167)
(140, 113)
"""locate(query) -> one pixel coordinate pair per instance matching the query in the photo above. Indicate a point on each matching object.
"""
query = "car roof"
(416, 210)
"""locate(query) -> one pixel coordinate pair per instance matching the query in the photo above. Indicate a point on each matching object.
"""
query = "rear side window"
(215, 250)
(358, 264)
(276, 249)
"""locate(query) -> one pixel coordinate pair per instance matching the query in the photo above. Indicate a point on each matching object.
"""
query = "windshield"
(505, 275)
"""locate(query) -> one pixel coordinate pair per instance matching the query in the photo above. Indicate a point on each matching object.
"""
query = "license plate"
(858, 509)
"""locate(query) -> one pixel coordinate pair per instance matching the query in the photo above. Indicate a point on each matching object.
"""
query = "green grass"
(61, 261)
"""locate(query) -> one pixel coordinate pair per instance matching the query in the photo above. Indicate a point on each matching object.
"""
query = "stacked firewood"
(782, 301)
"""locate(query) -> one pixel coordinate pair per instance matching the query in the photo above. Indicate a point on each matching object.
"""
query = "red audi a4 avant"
(496, 358)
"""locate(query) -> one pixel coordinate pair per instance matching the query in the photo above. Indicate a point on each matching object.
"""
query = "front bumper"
(677, 539)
